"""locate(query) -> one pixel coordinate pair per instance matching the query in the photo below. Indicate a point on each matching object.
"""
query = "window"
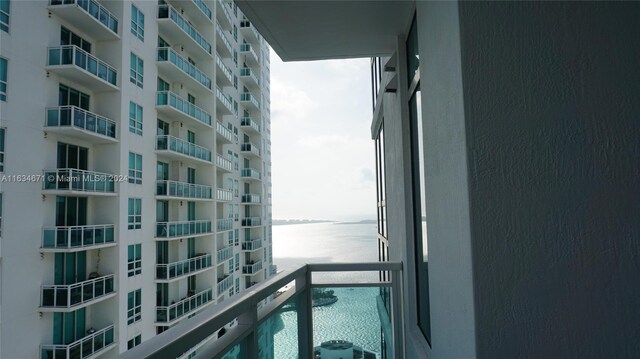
(135, 168)
(135, 213)
(0, 214)
(68, 37)
(134, 342)
(137, 23)
(163, 85)
(2, 130)
(135, 118)
(3, 78)
(137, 70)
(68, 96)
(134, 306)
(4, 15)
(134, 259)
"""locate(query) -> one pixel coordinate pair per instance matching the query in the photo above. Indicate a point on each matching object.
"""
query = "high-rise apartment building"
(135, 165)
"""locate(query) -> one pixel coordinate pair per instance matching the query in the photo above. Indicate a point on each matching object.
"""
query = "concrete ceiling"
(314, 30)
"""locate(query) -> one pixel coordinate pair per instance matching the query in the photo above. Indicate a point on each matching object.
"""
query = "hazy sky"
(323, 164)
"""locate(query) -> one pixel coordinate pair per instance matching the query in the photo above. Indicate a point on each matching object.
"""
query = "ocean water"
(354, 316)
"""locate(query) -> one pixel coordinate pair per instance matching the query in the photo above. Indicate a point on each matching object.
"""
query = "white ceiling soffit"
(316, 30)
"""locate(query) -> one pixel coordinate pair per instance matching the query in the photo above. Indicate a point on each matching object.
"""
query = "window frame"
(134, 213)
(134, 262)
(137, 22)
(135, 173)
(136, 116)
(4, 75)
(134, 307)
(4, 26)
(136, 71)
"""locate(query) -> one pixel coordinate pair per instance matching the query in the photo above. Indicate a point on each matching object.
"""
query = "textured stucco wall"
(552, 108)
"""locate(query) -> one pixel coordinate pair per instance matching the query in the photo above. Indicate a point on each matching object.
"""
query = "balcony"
(224, 284)
(223, 195)
(249, 78)
(223, 225)
(224, 17)
(178, 31)
(199, 13)
(79, 66)
(91, 346)
(70, 297)
(87, 15)
(180, 269)
(250, 101)
(75, 122)
(175, 107)
(249, 55)
(252, 268)
(182, 229)
(250, 246)
(250, 173)
(251, 198)
(252, 222)
(75, 182)
(249, 125)
(224, 254)
(176, 68)
(225, 134)
(298, 301)
(250, 149)
(223, 163)
(77, 238)
(224, 74)
(179, 149)
(182, 190)
(225, 107)
(222, 44)
(168, 315)
(249, 32)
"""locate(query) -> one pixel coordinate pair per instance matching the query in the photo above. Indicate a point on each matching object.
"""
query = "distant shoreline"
(286, 222)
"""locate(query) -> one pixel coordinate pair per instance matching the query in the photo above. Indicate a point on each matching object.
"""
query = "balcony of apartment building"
(178, 29)
(191, 303)
(249, 173)
(70, 297)
(249, 32)
(175, 190)
(224, 195)
(175, 148)
(79, 123)
(223, 72)
(224, 134)
(250, 79)
(224, 254)
(173, 230)
(250, 198)
(177, 68)
(223, 163)
(66, 239)
(198, 11)
(252, 267)
(251, 222)
(252, 245)
(89, 16)
(223, 45)
(224, 105)
(249, 55)
(92, 345)
(224, 283)
(224, 224)
(249, 125)
(250, 101)
(78, 182)
(177, 108)
(78, 65)
(250, 149)
(223, 16)
(177, 270)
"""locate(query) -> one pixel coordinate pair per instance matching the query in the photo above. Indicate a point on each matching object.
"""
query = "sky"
(323, 161)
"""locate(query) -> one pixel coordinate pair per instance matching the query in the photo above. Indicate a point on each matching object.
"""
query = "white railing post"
(305, 316)
(249, 346)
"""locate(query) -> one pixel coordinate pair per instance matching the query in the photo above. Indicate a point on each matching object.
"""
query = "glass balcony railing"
(314, 314)
(251, 222)
(73, 55)
(224, 163)
(204, 8)
(246, 25)
(224, 99)
(168, 12)
(183, 190)
(183, 267)
(224, 68)
(249, 122)
(250, 173)
(251, 198)
(64, 238)
(252, 245)
(71, 295)
(247, 97)
(223, 37)
(224, 254)
(85, 347)
(93, 9)
(167, 98)
(225, 12)
(226, 133)
(247, 73)
(76, 118)
(224, 225)
(178, 229)
(251, 148)
(246, 49)
(180, 146)
(167, 54)
(75, 180)
(252, 268)
(168, 314)
(224, 195)
(224, 284)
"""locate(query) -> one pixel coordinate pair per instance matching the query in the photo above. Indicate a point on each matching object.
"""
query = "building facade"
(136, 170)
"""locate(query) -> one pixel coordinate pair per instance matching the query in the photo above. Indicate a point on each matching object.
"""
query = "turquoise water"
(354, 316)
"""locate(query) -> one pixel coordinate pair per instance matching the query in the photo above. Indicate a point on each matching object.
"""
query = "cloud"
(323, 140)
(366, 176)
(290, 102)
